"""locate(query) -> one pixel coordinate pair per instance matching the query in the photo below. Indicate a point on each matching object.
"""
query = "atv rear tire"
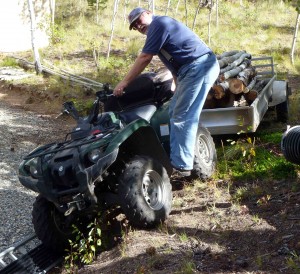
(49, 225)
(145, 192)
(205, 155)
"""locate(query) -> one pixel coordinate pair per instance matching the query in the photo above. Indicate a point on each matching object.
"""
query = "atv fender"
(139, 138)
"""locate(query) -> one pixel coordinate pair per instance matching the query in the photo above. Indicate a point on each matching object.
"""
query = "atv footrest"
(38, 260)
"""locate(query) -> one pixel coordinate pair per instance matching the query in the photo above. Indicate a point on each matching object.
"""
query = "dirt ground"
(206, 231)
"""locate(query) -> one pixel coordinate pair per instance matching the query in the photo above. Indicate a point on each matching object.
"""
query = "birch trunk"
(168, 6)
(52, 10)
(177, 6)
(112, 27)
(196, 13)
(209, 23)
(295, 38)
(37, 63)
(217, 14)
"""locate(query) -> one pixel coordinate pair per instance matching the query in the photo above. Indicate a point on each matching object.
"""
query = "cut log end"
(236, 86)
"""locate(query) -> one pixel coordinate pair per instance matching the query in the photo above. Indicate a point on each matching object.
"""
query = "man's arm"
(139, 65)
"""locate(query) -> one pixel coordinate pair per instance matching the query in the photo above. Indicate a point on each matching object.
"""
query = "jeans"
(194, 81)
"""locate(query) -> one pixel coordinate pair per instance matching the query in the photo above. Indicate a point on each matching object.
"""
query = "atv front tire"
(145, 192)
(205, 155)
(50, 225)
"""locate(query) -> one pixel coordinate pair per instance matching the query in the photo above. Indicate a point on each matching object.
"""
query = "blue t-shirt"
(175, 38)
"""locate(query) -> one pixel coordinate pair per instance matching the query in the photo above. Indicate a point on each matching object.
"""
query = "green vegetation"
(85, 245)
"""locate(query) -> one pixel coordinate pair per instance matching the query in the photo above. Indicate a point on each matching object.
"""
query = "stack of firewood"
(237, 84)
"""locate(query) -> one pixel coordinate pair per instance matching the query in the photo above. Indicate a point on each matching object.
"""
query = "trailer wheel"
(145, 192)
(282, 109)
(282, 112)
(50, 225)
(205, 155)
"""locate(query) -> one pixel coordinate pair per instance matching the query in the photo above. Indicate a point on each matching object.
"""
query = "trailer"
(243, 119)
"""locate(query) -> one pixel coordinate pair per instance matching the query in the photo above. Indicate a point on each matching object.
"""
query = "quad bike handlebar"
(101, 96)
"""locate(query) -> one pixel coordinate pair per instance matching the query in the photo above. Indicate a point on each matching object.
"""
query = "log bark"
(234, 71)
(247, 75)
(227, 101)
(220, 90)
(227, 54)
(210, 101)
(258, 87)
(230, 59)
(251, 85)
(251, 96)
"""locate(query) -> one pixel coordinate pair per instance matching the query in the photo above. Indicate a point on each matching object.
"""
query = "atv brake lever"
(62, 113)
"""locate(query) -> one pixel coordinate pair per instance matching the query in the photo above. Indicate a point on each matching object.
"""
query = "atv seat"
(145, 112)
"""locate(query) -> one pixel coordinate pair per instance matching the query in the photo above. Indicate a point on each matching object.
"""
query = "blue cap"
(134, 15)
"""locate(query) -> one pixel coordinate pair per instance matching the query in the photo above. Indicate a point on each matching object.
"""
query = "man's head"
(139, 19)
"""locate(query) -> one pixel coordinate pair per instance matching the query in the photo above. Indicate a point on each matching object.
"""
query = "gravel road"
(20, 132)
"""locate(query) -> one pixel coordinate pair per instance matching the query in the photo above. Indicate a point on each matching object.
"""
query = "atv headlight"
(32, 166)
(94, 155)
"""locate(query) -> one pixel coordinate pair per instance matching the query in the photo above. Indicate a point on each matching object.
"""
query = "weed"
(83, 249)
(293, 262)
(8, 62)
(187, 267)
(256, 219)
(183, 237)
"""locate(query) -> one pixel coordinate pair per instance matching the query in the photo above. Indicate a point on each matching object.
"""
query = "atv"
(117, 156)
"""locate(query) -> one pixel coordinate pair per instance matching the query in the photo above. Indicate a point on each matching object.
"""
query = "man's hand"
(119, 89)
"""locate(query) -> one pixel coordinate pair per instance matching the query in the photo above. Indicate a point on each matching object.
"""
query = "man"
(194, 68)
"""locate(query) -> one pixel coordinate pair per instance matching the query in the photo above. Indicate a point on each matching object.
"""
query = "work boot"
(179, 172)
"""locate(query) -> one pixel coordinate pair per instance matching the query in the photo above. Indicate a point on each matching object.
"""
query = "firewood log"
(227, 60)
(226, 101)
(251, 96)
(249, 93)
(230, 67)
(247, 75)
(236, 86)
(210, 101)
(240, 101)
(227, 54)
(260, 84)
(251, 85)
(220, 90)
(231, 72)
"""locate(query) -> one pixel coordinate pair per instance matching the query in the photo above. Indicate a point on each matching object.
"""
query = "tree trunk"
(295, 38)
(168, 6)
(209, 23)
(37, 63)
(52, 10)
(112, 27)
(177, 6)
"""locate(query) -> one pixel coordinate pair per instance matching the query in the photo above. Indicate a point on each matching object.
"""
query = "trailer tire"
(282, 109)
(205, 155)
(145, 192)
